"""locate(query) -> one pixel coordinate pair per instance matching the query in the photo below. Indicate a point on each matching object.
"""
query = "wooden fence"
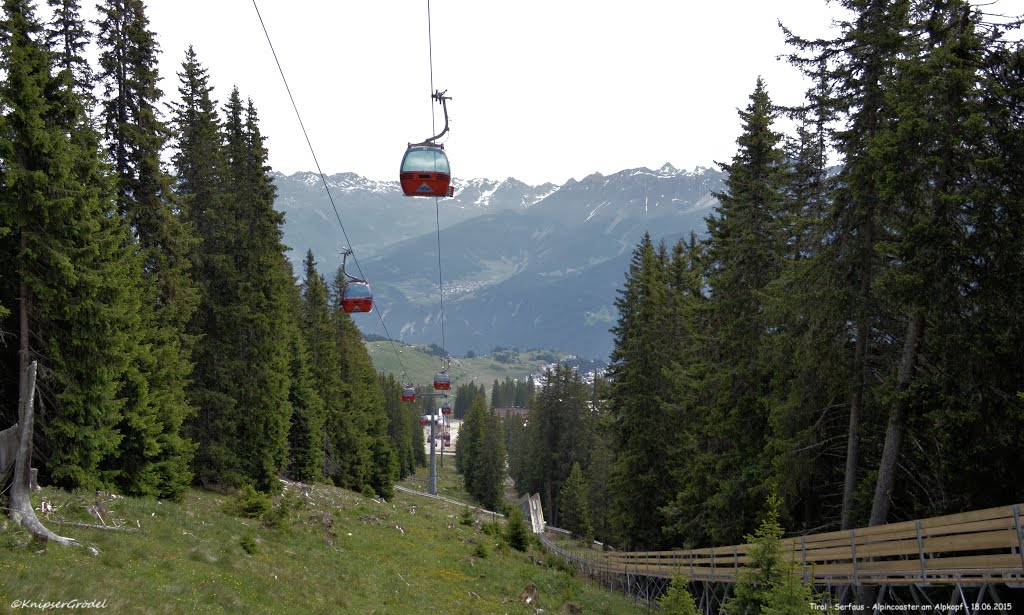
(980, 547)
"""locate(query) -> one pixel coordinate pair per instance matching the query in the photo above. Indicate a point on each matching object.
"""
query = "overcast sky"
(542, 90)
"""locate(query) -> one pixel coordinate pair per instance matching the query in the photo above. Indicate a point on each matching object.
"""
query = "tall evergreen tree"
(859, 63)
(68, 272)
(639, 425)
(560, 434)
(470, 441)
(306, 429)
(401, 428)
(325, 364)
(489, 466)
(745, 251)
(154, 456)
(372, 449)
(573, 505)
(262, 390)
(243, 388)
(599, 476)
(806, 346)
(68, 37)
(516, 446)
(940, 139)
(200, 161)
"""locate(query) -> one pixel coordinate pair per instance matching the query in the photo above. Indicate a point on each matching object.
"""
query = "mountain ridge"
(526, 266)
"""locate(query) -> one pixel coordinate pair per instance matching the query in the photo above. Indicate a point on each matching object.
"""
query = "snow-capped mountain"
(376, 215)
(525, 266)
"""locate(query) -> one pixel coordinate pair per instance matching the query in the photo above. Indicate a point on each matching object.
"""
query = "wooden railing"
(972, 548)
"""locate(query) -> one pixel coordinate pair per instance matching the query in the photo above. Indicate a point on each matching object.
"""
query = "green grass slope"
(484, 369)
(331, 552)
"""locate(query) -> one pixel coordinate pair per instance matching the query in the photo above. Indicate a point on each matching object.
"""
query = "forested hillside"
(851, 340)
(175, 344)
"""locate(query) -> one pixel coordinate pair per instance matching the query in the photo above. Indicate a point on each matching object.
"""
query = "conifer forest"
(847, 335)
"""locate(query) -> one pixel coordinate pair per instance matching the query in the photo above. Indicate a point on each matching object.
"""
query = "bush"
(467, 517)
(678, 601)
(554, 561)
(516, 531)
(491, 528)
(248, 503)
(276, 517)
(248, 543)
(769, 583)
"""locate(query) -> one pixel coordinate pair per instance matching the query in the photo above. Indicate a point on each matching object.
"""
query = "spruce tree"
(262, 389)
(574, 510)
(154, 456)
(325, 366)
(516, 443)
(489, 466)
(689, 338)
(201, 186)
(559, 433)
(68, 37)
(939, 140)
(639, 425)
(470, 442)
(858, 65)
(243, 390)
(744, 253)
(70, 278)
(200, 162)
(806, 344)
(599, 474)
(371, 449)
(677, 600)
(400, 428)
(306, 428)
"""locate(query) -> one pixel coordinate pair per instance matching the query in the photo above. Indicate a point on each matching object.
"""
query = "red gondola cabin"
(442, 382)
(424, 420)
(425, 172)
(408, 394)
(446, 409)
(356, 297)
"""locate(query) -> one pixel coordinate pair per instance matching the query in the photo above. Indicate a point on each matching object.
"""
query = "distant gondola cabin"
(356, 297)
(425, 172)
(442, 382)
(446, 409)
(408, 394)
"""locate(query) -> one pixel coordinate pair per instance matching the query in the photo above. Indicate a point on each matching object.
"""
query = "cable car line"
(323, 180)
(441, 98)
(440, 277)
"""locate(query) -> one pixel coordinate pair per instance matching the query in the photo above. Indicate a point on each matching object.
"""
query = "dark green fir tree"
(154, 457)
(70, 272)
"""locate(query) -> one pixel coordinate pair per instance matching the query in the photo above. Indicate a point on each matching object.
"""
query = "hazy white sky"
(542, 90)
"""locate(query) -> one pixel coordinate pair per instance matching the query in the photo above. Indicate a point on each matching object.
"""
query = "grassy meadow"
(329, 551)
(484, 369)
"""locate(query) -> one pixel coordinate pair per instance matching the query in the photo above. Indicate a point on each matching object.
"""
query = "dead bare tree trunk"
(21, 506)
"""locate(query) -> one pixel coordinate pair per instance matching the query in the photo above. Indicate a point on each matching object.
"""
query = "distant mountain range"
(523, 266)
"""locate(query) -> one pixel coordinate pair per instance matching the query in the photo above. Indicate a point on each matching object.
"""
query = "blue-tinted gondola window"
(356, 291)
(426, 160)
